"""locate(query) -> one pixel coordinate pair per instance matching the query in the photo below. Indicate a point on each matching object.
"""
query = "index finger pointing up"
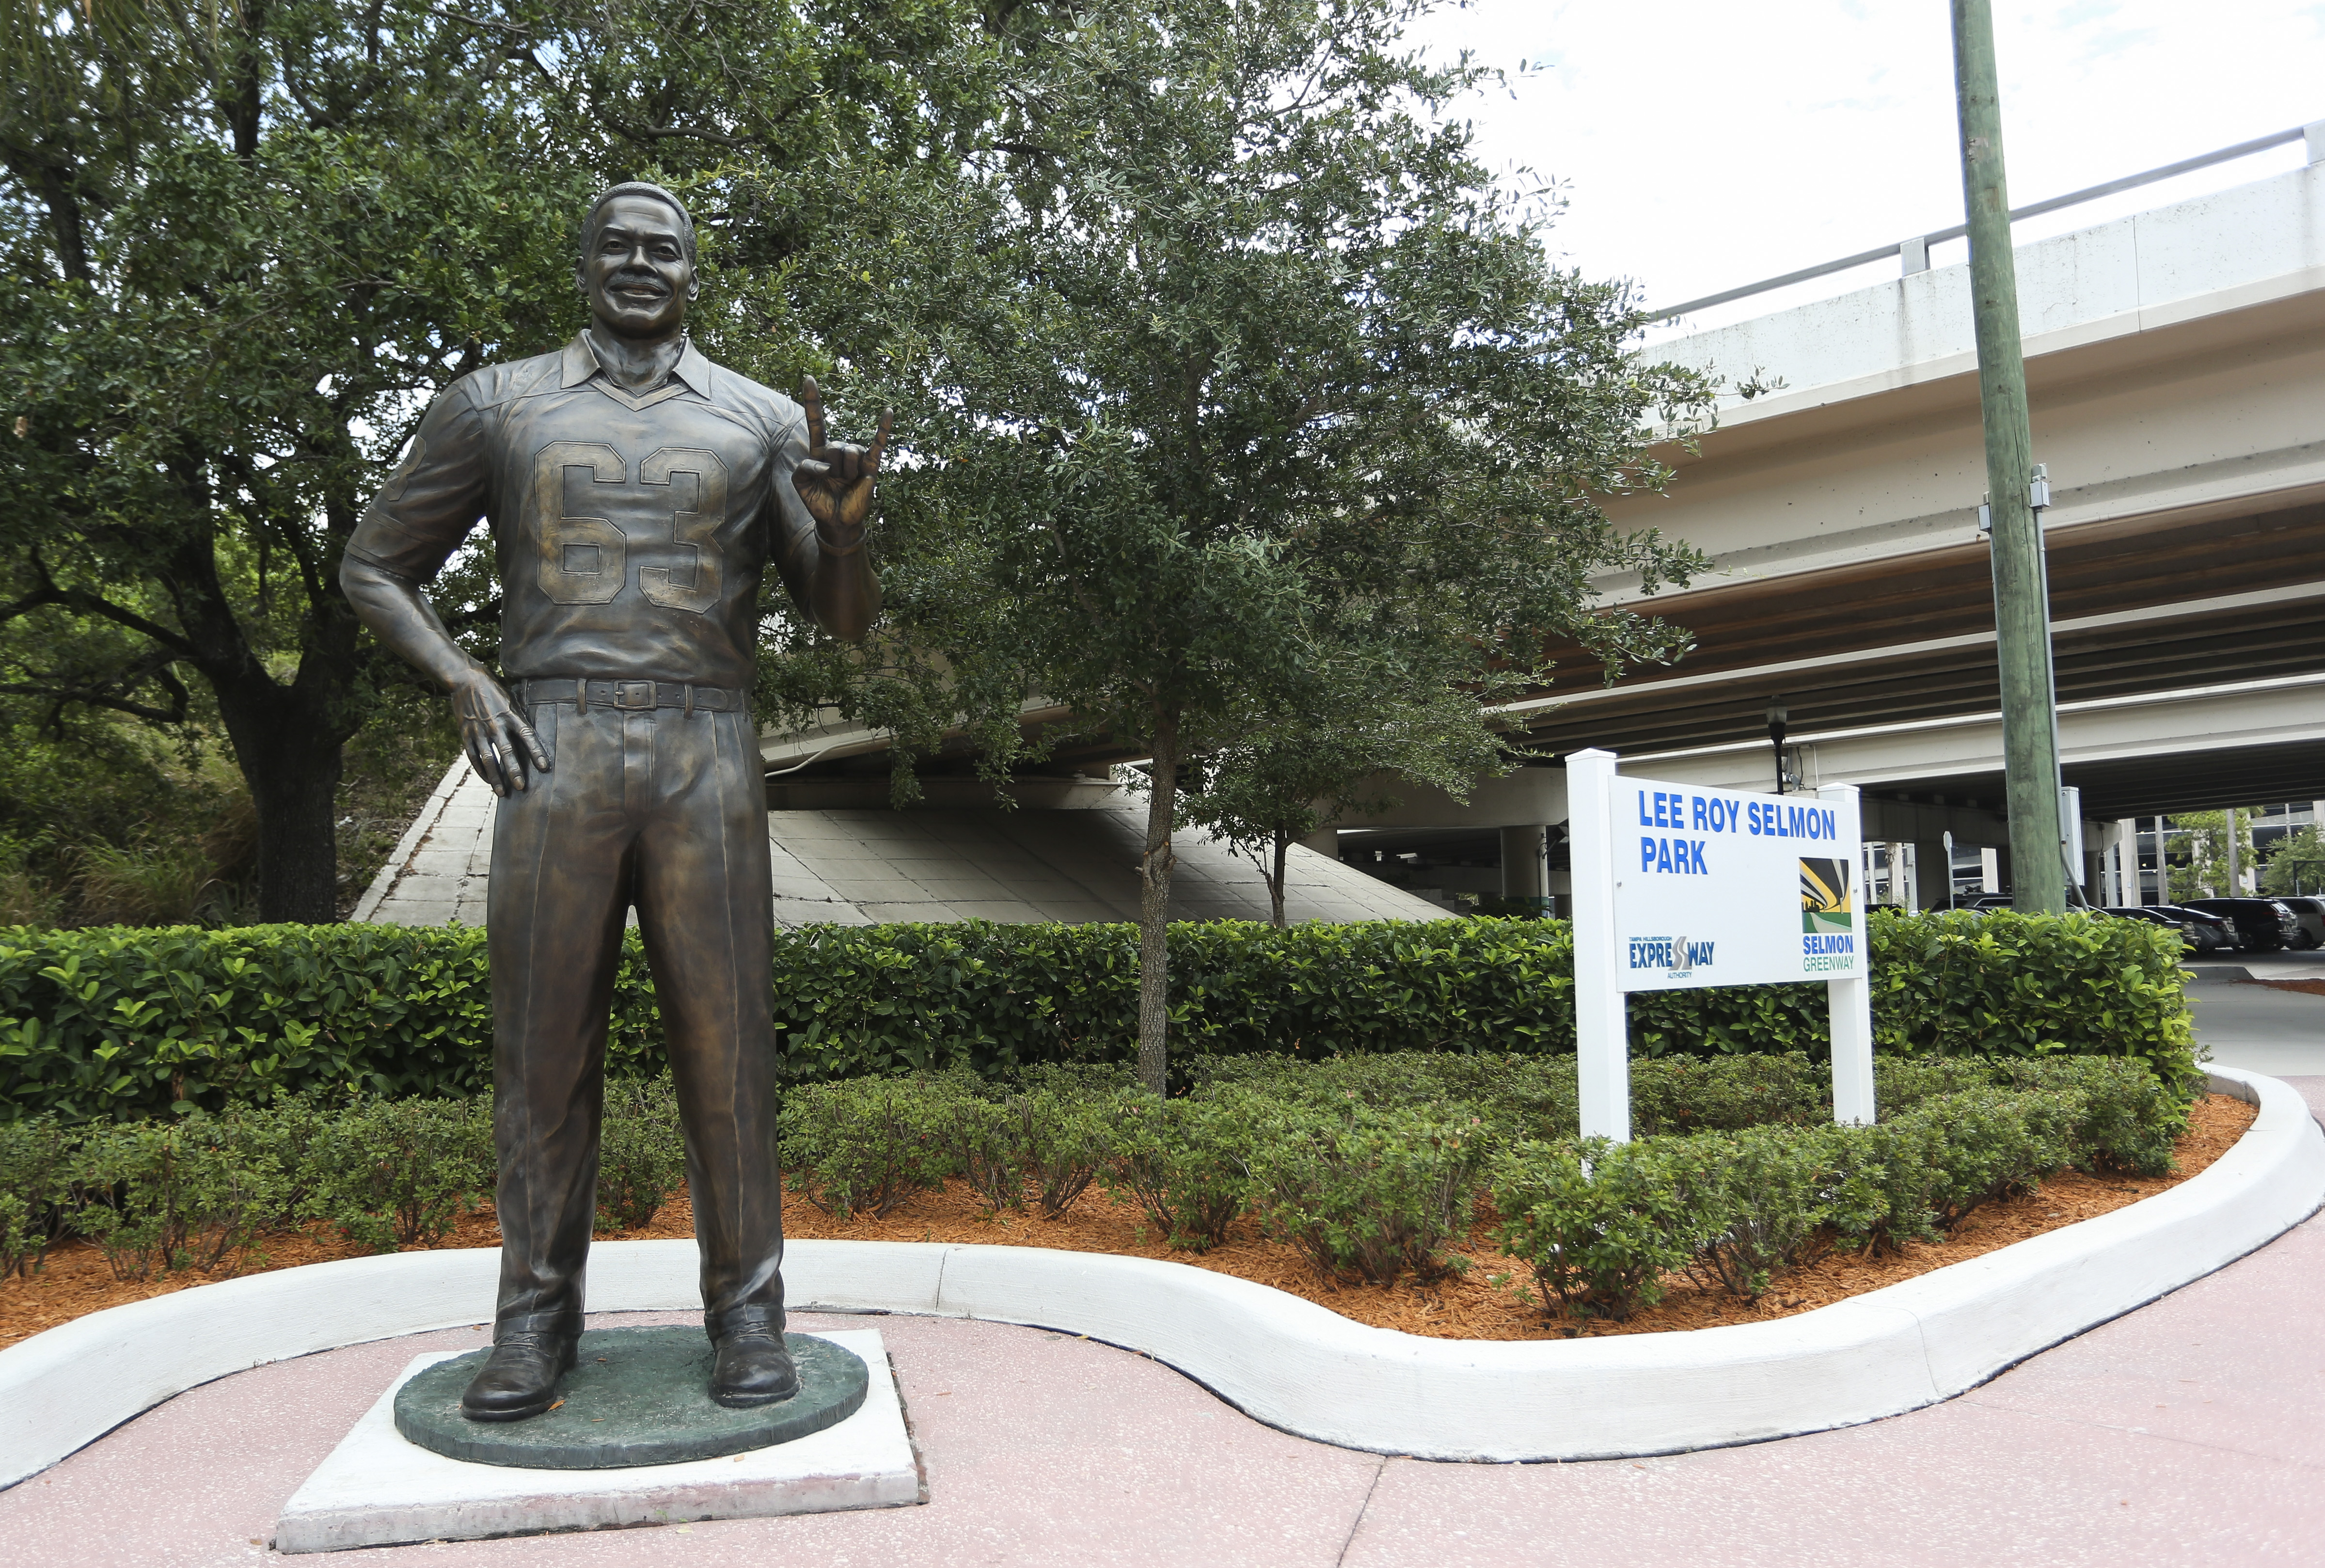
(812, 399)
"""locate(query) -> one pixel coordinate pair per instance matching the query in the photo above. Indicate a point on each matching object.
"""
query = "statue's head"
(638, 261)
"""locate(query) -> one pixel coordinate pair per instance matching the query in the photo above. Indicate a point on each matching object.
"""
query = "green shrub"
(641, 1152)
(1683, 1094)
(1063, 1141)
(123, 1198)
(1088, 1080)
(1379, 1192)
(1599, 1223)
(2005, 984)
(392, 1174)
(1535, 1096)
(1042, 1130)
(886, 999)
(1369, 1165)
(1951, 983)
(1901, 1082)
(1185, 1161)
(865, 1143)
(115, 1024)
(288, 1134)
(1761, 1197)
(1883, 1184)
(1522, 1095)
(1989, 1143)
(112, 1024)
(983, 1139)
(173, 1195)
(26, 897)
(35, 1177)
(2131, 1119)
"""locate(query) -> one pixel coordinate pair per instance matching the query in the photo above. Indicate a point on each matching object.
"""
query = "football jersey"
(634, 530)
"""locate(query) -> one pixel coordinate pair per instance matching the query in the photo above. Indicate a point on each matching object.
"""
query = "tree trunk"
(298, 838)
(1275, 881)
(288, 736)
(291, 762)
(1154, 907)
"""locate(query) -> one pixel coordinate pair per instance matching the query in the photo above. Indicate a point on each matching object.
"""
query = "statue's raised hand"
(834, 479)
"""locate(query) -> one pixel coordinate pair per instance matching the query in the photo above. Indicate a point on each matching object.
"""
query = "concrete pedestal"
(378, 1489)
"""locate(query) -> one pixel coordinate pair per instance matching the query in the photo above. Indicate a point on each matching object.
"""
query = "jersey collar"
(581, 365)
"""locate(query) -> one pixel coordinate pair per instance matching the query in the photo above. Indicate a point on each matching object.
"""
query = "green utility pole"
(2022, 607)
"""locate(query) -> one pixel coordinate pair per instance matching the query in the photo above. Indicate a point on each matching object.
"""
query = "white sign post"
(1677, 886)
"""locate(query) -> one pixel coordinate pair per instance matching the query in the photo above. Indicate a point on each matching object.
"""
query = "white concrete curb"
(1284, 1360)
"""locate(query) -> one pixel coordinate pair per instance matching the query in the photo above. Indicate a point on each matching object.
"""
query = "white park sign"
(1678, 885)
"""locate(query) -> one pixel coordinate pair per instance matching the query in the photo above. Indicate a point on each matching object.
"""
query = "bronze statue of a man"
(637, 492)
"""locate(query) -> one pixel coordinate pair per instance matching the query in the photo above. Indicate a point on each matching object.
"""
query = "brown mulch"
(2308, 988)
(77, 1279)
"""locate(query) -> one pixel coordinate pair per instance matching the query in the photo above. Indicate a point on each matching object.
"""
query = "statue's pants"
(665, 810)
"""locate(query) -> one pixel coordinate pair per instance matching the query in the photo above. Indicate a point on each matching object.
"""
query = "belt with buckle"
(634, 696)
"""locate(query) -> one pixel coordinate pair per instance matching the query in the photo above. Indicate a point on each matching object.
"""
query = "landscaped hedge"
(208, 1192)
(1370, 1165)
(114, 1023)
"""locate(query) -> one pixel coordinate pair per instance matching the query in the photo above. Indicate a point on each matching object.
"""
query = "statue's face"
(636, 273)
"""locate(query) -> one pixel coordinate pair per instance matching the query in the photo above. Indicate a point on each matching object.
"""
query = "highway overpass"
(2175, 363)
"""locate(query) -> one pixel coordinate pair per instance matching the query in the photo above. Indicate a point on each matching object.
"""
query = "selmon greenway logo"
(1825, 902)
(1828, 915)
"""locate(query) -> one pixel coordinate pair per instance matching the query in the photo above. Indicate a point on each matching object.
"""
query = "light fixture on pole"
(1777, 717)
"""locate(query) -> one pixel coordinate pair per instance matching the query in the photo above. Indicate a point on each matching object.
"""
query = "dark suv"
(2211, 932)
(2263, 924)
(2185, 922)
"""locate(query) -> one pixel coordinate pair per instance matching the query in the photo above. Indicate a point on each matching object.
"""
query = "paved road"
(2190, 1432)
(2256, 1026)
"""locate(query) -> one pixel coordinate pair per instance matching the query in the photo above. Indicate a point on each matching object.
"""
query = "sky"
(1703, 145)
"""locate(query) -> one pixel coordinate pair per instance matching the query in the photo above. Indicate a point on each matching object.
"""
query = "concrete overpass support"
(1934, 863)
(2118, 882)
(1525, 862)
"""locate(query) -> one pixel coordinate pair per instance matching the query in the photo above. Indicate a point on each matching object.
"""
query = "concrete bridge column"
(1934, 874)
(2119, 880)
(1525, 862)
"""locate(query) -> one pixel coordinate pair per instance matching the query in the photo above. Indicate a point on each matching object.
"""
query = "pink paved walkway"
(2192, 1430)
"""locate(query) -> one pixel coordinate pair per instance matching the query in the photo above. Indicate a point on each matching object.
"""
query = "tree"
(1251, 363)
(247, 243)
(2203, 839)
(1311, 770)
(2296, 863)
(244, 244)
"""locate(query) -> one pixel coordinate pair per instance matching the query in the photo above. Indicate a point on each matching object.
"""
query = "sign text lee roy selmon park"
(1678, 885)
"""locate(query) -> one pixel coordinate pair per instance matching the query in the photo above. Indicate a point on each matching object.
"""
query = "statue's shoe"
(519, 1379)
(753, 1368)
